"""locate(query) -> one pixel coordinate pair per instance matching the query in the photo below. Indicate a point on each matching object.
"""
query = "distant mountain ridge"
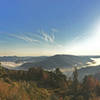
(61, 61)
(21, 59)
(56, 61)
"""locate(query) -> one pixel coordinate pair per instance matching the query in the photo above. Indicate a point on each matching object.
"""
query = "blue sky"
(48, 27)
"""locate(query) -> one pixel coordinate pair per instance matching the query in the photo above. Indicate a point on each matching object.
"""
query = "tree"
(58, 72)
(86, 87)
(60, 79)
(80, 98)
(75, 84)
(67, 98)
(75, 80)
(75, 76)
(0, 66)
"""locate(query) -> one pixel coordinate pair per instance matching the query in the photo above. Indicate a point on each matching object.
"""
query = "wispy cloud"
(25, 38)
(47, 37)
(50, 37)
(41, 37)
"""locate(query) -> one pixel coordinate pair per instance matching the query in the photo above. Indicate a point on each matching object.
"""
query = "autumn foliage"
(39, 84)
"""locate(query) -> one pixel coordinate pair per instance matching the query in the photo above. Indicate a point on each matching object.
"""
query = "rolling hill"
(59, 61)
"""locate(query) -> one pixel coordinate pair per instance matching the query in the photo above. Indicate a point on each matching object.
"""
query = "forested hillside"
(38, 84)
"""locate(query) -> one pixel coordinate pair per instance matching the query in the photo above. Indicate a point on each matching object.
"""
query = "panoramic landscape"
(50, 50)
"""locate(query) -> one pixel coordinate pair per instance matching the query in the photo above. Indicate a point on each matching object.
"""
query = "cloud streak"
(25, 38)
(50, 38)
(47, 37)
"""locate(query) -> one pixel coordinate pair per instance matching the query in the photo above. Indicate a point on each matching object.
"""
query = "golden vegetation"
(37, 84)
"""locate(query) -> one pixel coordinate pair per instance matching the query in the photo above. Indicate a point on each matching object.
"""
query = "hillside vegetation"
(38, 84)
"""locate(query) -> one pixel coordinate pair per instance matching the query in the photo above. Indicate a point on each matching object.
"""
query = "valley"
(86, 65)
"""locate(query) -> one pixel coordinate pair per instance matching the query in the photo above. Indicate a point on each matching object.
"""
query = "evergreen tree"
(0, 66)
(75, 83)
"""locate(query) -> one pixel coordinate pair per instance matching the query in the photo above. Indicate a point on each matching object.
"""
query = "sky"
(49, 27)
